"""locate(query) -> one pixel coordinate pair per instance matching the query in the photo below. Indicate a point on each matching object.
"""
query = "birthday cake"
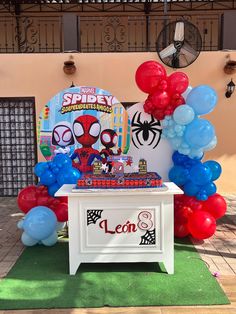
(126, 181)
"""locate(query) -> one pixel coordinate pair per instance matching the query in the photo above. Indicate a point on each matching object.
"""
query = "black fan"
(179, 44)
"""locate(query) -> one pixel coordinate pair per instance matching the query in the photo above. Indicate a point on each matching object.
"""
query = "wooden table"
(121, 226)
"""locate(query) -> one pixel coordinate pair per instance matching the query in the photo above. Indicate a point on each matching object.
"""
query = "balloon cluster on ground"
(197, 218)
(164, 91)
(195, 177)
(45, 214)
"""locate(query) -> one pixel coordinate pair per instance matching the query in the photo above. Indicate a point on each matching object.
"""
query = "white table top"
(66, 190)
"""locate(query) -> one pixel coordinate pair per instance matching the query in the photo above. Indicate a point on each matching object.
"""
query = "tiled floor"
(218, 252)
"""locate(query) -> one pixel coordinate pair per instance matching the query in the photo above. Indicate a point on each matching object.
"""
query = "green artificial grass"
(40, 279)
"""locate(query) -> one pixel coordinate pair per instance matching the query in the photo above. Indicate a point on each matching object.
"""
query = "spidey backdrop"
(83, 117)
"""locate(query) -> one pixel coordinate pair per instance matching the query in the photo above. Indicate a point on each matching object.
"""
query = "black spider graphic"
(146, 127)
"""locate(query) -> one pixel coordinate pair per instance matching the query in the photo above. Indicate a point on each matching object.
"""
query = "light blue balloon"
(202, 99)
(211, 145)
(68, 176)
(40, 222)
(28, 240)
(196, 153)
(176, 142)
(51, 240)
(183, 115)
(20, 224)
(199, 133)
(40, 168)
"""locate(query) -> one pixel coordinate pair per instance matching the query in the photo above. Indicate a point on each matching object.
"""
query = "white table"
(121, 226)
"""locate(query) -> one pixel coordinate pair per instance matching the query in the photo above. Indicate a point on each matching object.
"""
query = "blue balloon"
(68, 176)
(47, 178)
(202, 99)
(51, 240)
(53, 188)
(191, 189)
(215, 169)
(210, 188)
(179, 159)
(28, 240)
(183, 114)
(200, 174)
(40, 222)
(199, 133)
(40, 168)
(201, 196)
(62, 160)
(178, 175)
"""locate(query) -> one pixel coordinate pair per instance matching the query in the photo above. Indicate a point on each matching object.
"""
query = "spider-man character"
(86, 130)
(109, 139)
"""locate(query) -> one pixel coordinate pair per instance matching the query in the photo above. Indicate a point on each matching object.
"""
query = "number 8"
(145, 222)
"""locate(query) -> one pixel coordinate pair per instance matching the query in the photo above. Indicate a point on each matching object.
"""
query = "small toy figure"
(118, 168)
(142, 166)
(86, 129)
(62, 136)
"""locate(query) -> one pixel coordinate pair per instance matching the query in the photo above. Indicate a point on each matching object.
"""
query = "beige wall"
(41, 76)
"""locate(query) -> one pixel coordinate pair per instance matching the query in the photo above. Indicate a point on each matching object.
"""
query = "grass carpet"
(40, 279)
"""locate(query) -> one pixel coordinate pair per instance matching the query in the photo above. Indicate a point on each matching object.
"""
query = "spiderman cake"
(125, 181)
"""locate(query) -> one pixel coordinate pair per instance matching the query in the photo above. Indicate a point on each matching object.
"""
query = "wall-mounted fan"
(179, 44)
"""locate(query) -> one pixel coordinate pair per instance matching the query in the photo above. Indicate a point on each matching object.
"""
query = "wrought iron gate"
(18, 152)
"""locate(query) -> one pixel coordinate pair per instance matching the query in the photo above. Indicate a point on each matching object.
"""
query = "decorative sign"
(61, 128)
(121, 228)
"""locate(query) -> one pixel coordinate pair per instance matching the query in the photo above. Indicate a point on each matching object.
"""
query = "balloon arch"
(179, 107)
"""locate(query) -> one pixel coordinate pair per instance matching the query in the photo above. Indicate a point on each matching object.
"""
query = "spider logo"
(146, 128)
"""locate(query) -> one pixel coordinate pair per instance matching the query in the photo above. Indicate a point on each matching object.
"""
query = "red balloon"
(160, 99)
(158, 114)
(215, 205)
(201, 225)
(176, 100)
(193, 203)
(180, 230)
(63, 199)
(27, 198)
(148, 76)
(61, 211)
(177, 82)
(183, 214)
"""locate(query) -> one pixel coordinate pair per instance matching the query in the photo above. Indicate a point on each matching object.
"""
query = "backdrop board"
(148, 143)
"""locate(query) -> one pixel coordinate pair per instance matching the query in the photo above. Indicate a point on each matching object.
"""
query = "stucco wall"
(41, 76)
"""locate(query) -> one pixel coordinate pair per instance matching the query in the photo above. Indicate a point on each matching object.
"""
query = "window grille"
(18, 147)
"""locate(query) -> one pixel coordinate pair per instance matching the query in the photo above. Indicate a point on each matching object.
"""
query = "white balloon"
(188, 90)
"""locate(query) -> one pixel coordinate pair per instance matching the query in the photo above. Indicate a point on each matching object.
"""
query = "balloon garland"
(179, 107)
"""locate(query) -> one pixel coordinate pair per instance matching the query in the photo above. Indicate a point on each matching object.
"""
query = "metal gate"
(18, 146)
